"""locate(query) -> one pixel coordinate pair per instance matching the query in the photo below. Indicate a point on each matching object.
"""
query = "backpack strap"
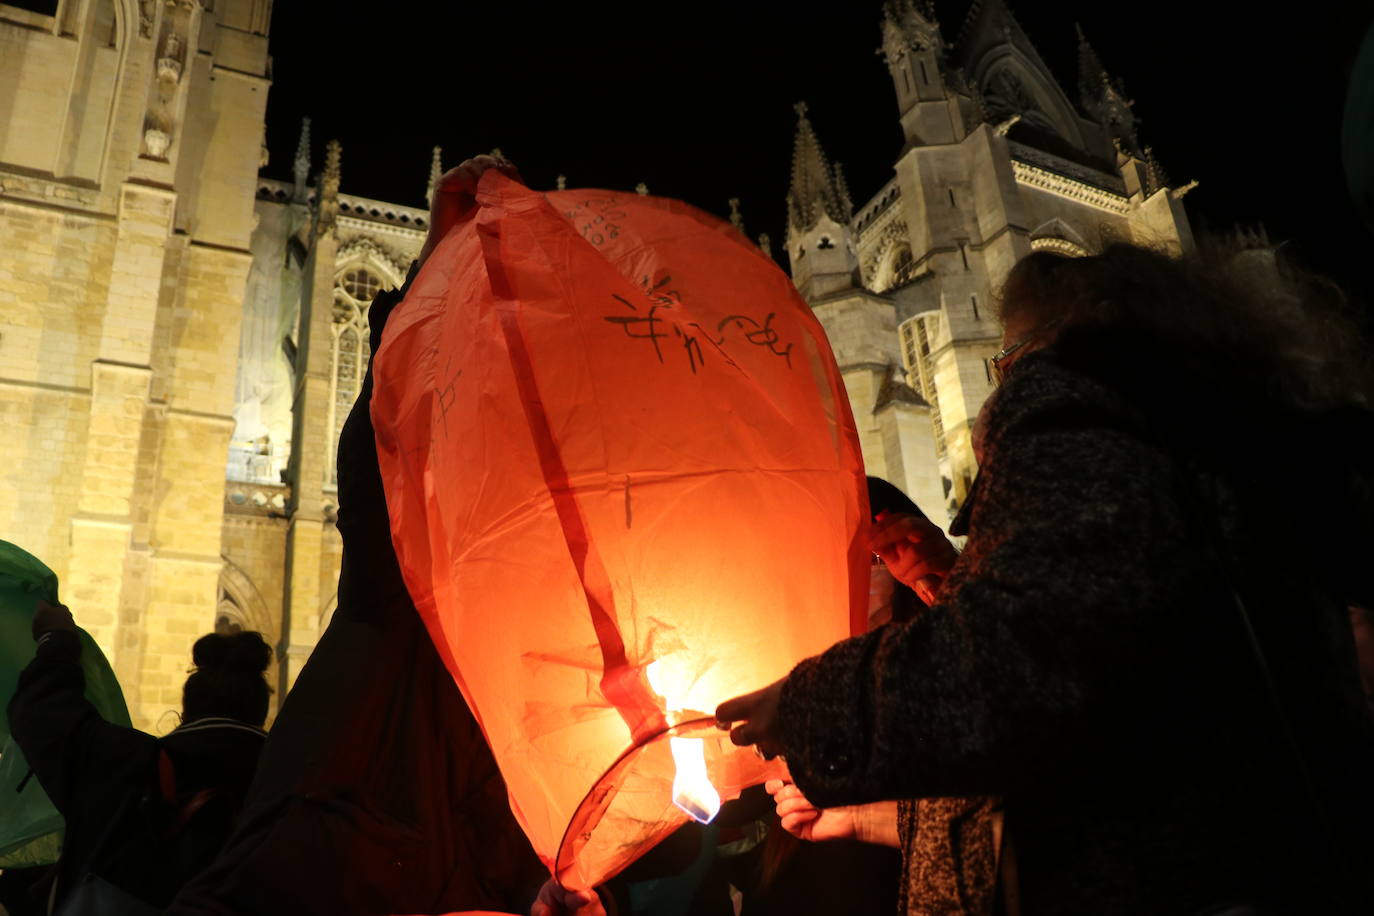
(167, 784)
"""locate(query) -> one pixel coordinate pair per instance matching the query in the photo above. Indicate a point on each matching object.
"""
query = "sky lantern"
(624, 485)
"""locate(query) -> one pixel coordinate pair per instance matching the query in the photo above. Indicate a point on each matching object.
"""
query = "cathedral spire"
(300, 168)
(1090, 70)
(817, 189)
(736, 219)
(909, 25)
(436, 170)
(1104, 98)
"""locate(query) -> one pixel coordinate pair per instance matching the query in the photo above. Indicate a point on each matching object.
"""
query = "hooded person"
(377, 792)
(1148, 662)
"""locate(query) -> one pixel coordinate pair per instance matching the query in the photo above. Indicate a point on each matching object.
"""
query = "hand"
(555, 900)
(913, 549)
(455, 197)
(872, 823)
(807, 822)
(759, 712)
(51, 617)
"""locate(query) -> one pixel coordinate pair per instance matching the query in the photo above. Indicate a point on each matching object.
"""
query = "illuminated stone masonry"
(181, 339)
(998, 162)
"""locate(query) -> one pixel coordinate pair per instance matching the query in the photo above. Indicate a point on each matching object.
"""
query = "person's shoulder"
(1047, 382)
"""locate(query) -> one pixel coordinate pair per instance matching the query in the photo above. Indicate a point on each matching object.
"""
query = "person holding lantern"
(377, 792)
(1155, 674)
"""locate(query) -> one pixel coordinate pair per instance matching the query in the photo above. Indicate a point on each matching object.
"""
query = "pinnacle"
(333, 155)
(300, 168)
(817, 188)
(303, 145)
(436, 170)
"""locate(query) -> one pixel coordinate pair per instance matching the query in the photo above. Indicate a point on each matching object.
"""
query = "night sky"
(696, 99)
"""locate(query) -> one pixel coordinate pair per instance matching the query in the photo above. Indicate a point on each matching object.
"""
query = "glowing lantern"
(624, 485)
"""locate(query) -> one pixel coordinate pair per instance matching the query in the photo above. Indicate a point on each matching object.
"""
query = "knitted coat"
(1087, 662)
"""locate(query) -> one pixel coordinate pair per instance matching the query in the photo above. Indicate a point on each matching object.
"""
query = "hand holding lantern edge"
(759, 713)
(455, 197)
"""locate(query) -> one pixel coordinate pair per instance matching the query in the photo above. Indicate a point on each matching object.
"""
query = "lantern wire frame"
(632, 799)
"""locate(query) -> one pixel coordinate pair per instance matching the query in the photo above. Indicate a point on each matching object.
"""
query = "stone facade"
(181, 340)
(998, 162)
(129, 143)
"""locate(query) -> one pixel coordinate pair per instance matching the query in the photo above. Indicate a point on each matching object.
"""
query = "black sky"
(696, 99)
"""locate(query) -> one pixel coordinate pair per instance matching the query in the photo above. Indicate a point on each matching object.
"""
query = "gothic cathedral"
(181, 340)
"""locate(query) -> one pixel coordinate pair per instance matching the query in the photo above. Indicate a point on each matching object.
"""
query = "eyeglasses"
(998, 365)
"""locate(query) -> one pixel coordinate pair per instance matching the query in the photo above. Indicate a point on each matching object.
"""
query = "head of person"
(1237, 358)
(1226, 330)
(227, 681)
(889, 600)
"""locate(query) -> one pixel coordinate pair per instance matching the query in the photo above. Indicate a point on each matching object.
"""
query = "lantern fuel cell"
(692, 789)
(613, 436)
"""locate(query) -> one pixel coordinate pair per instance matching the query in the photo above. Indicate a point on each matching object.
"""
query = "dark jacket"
(377, 792)
(1086, 662)
(129, 813)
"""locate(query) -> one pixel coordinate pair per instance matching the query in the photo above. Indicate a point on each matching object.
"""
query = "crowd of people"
(1141, 686)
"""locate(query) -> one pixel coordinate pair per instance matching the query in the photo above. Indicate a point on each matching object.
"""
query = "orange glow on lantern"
(624, 485)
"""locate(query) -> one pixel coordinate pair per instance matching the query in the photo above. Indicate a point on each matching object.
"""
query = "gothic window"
(1005, 95)
(354, 291)
(361, 285)
(903, 266)
(825, 242)
(228, 615)
(916, 335)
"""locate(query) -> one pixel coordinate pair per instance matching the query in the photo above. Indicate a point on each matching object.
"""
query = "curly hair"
(1260, 331)
(1246, 363)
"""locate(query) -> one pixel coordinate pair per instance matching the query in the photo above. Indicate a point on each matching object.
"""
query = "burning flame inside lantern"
(692, 789)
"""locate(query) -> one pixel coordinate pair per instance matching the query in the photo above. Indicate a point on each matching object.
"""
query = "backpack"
(152, 837)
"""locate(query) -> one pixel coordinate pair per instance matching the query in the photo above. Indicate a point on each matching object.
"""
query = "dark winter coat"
(1087, 663)
(130, 817)
(377, 792)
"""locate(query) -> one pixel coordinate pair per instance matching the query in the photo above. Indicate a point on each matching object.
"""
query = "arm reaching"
(872, 823)
(1045, 620)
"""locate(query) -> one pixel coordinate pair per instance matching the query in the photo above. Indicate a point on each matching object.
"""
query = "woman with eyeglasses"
(1144, 648)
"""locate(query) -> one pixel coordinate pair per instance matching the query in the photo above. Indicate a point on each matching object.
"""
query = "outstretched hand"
(759, 713)
(555, 900)
(807, 822)
(455, 197)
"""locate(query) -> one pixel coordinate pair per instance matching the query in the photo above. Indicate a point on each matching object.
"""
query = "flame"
(692, 789)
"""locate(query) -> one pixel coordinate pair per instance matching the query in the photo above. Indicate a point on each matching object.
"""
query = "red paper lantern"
(624, 485)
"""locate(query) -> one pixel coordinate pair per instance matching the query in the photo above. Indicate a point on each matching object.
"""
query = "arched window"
(1004, 95)
(228, 614)
(896, 267)
(916, 335)
(354, 291)
(902, 265)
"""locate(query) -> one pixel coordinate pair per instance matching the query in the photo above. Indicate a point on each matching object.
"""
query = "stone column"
(120, 388)
(305, 595)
